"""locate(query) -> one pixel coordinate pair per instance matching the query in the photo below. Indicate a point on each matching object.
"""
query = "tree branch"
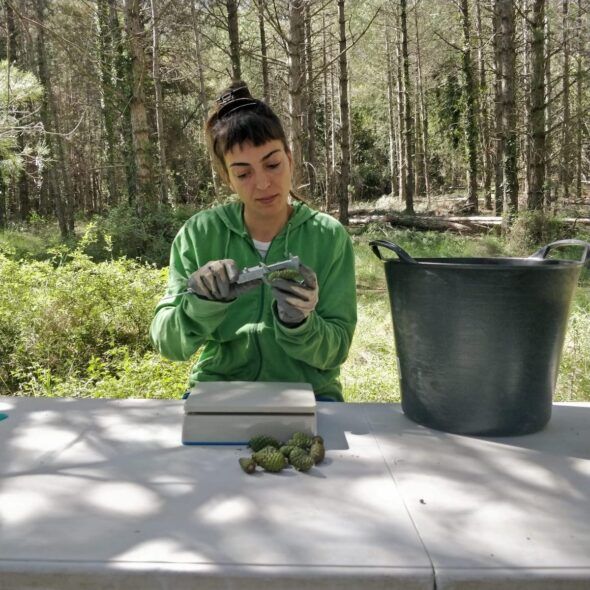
(328, 64)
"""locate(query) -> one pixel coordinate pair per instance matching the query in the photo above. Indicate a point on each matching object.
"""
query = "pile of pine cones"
(302, 451)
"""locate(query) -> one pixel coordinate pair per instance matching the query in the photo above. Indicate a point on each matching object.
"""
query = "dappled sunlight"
(227, 511)
(504, 499)
(21, 506)
(161, 548)
(126, 498)
(389, 494)
(120, 488)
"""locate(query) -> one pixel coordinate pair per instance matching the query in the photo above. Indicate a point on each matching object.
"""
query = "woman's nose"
(262, 181)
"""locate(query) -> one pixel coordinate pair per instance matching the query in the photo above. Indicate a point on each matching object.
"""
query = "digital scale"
(232, 412)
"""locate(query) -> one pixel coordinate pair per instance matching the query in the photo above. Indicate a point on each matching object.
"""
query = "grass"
(31, 242)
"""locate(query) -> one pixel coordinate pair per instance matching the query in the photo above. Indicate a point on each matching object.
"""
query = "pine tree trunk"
(202, 91)
(162, 181)
(334, 123)
(11, 52)
(423, 113)
(123, 93)
(508, 56)
(535, 196)
(408, 123)
(263, 52)
(483, 113)
(393, 164)
(2, 203)
(549, 192)
(418, 155)
(234, 38)
(304, 109)
(579, 94)
(296, 44)
(13, 56)
(401, 119)
(526, 87)
(471, 109)
(139, 122)
(498, 130)
(344, 117)
(311, 106)
(108, 95)
(566, 134)
(328, 194)
(60, 198)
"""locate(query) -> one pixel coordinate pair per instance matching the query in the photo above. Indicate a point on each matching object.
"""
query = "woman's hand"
(216, 280)
(295, 301)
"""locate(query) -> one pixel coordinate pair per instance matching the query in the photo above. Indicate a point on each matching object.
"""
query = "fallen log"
(467, 224)
(422, 223)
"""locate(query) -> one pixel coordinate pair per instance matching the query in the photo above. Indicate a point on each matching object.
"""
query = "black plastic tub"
(479, 340)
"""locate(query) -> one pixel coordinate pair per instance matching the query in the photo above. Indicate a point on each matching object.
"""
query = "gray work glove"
(295, 301)
(216, 281)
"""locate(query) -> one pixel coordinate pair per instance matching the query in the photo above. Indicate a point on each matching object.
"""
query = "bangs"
(247, 127)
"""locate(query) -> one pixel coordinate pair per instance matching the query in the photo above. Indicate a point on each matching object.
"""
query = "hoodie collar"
(232, 216)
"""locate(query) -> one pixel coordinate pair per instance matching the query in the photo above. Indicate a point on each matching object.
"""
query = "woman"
(283, 331)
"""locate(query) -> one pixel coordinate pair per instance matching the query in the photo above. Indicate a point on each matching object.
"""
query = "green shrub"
(533, 228)
(55, 317)
(120, 374)
(32, 241)
(122, 232)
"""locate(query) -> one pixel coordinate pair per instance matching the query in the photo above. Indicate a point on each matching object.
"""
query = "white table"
(101, 494)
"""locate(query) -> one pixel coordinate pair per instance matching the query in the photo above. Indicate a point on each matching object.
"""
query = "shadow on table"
(103, 481)
(511, 502)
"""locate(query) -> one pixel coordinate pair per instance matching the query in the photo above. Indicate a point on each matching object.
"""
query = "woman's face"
(261, 176)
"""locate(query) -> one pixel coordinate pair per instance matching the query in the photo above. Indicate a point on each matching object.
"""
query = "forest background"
(468, 116)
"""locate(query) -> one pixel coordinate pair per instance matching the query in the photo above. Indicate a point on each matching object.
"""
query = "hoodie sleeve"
(182, 323)
(324, 339)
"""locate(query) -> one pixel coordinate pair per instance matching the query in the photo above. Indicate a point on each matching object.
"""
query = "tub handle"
(542, 252)
(402, 254)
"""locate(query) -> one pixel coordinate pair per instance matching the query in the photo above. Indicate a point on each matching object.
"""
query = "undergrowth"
(73, 326)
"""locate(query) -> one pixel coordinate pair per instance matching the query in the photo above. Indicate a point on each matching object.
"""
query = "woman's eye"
(242, 176)
(274, 165)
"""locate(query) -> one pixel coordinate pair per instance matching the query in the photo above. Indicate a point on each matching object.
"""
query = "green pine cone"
(296, 452)
(290, 274)
(317, 452)
(272, 461)
(301, 460)
(301, 439)
(259, 442)
(248, 464)
(268, 449)
(286, 450)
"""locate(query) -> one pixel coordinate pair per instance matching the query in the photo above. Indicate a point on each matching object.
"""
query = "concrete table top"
(505, 513)
(101, 494)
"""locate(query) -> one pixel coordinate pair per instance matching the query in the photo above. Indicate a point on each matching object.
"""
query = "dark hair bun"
(236, 96)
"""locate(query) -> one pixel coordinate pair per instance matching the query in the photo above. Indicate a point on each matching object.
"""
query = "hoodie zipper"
(249, 240)
(261, 310)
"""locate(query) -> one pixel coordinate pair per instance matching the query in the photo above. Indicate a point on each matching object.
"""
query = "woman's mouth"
(267, 200)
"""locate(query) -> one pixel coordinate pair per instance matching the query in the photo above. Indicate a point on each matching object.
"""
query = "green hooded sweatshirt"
(243, 339)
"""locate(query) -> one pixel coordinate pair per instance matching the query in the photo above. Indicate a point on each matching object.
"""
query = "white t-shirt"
(262, 247)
